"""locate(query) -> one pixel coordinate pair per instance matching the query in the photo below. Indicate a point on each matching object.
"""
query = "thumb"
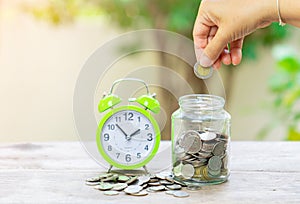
(213, 49)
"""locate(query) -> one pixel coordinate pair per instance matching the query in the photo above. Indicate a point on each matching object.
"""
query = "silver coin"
(144, 185)
(181, 194)
(207, 136)
(104, 186)
(154, 183)
(153, 180)
(119, 186)
(123, 178)
(114, 177)
(132, 180)
(186, 157)
(177, 169)
(204, 154)
(219, 148)
(174, 187)
(89, 183)
(181, 183)
(141, 193)
(163, 175)
(200, 158)
(143, 179)
(208, 146)
(187, 171)
(179, 152)
(149, 190)
(133, 189)
(101, 176)
(225, 162)
(214, 173)
(191, 142)
(215, 163)
(93, 179)
(203, 72)
(111, 193)
(165, 182)
(190, 160)
(170, 179)
(157, 188)
(169, 192)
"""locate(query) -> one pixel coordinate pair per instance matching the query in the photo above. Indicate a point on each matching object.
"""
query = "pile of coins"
(201, 156)
(114, 183)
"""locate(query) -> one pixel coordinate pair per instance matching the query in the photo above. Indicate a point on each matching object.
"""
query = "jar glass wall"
(201, 140)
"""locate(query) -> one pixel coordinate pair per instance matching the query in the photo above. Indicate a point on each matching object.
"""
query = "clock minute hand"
(136, 132)
(126, 136)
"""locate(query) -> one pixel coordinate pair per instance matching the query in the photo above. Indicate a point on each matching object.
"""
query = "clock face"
(129, 137)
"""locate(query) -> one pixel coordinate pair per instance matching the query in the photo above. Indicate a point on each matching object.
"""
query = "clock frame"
(152, 148)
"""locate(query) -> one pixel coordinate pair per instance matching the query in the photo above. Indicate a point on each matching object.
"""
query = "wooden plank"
(246, 156)
(262, 172)
(67, 186)
(62, 155)
(266, 156)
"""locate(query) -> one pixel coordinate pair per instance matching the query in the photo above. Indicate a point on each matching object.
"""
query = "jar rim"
(202, 101)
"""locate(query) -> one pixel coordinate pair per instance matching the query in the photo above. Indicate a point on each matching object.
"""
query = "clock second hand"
(126, 136)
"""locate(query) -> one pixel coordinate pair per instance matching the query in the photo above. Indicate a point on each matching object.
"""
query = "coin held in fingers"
(203, 72)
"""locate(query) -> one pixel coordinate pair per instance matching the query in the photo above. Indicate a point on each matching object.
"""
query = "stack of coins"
(115, 183)
(201, 156)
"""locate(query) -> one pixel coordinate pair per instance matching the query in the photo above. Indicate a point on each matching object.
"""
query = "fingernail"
(205, 61)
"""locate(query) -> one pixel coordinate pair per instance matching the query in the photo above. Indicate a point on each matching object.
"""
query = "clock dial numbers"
(128, 116)
(147, 126)
(111, 126)
(106, 137)
(128, 137)
(150, 136)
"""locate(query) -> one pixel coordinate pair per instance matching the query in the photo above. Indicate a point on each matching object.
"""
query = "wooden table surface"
(261, 172)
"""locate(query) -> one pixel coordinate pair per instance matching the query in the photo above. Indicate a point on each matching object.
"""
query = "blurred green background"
(43, 45)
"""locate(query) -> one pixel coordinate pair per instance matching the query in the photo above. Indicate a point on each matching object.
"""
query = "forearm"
(290, 11)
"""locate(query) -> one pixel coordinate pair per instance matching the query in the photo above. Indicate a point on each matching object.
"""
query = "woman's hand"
(223, 22)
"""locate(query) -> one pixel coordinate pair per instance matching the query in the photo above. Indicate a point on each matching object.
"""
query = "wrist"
(270, 11)
(289, 10)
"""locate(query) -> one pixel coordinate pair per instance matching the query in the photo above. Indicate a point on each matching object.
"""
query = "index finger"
(201, 32)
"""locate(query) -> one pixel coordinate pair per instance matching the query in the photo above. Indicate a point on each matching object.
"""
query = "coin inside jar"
(187, 171)
(203, 72)
(191, 142)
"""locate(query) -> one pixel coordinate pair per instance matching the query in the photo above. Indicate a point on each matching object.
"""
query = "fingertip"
(226, 59)
(236, 56)
(205, 61)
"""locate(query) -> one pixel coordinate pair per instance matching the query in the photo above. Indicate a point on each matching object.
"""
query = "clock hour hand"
(126, 136)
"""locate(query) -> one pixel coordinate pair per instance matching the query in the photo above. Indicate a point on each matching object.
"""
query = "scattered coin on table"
(112, 184)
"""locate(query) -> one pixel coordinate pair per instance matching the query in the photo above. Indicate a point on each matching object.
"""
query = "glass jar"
(201, 140)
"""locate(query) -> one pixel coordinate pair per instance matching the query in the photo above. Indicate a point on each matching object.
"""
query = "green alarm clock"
(128, 136)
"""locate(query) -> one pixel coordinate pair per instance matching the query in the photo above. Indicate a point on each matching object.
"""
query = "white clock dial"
(128, 137)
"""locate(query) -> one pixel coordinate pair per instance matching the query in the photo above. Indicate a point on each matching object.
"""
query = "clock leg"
(109, 169)
(146, 170)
